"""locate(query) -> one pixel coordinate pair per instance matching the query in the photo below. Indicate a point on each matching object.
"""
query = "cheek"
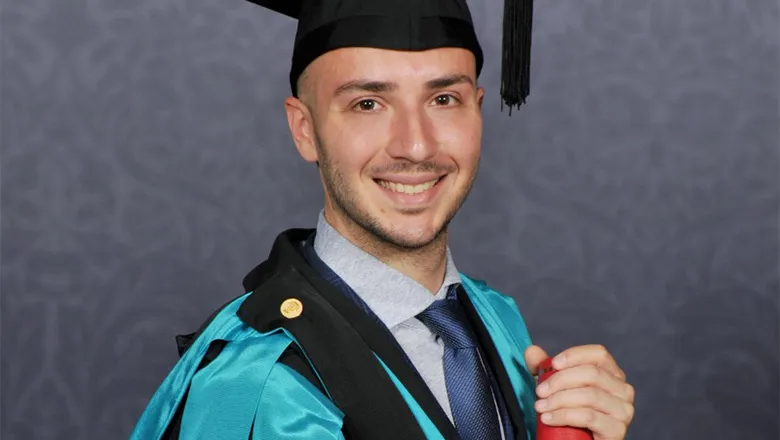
(463, 141)
(354, 145)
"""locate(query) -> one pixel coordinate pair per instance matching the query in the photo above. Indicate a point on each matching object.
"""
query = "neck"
(426, 265)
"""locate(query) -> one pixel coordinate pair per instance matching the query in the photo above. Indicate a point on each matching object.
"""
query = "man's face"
(397, 136)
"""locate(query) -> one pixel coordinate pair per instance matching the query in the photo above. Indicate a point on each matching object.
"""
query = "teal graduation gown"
(250, 372)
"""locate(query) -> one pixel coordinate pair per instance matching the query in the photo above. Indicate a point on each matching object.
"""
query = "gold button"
(291, 308)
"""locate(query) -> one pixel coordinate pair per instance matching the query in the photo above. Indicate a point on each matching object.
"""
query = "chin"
(411, 241)
(409, 236)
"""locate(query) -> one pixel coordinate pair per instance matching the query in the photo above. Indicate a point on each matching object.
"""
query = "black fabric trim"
(291, 357)
(358, 384)
(295, 360)
(174, 427)
(184, 342)
(258, 276)
(497, 367)
(384, 32)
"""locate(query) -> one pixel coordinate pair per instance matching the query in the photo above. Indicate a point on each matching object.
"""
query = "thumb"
(534, 355)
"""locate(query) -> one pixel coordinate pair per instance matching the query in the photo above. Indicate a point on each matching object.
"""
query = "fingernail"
(541, 404)
(543, 388)
(559, 362)
(546, 417)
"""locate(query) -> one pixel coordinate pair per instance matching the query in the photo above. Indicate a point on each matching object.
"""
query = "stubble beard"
(369, 226)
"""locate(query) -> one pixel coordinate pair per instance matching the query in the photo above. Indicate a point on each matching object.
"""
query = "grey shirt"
(396, 300)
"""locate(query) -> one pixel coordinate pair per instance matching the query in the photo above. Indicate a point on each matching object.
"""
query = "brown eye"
(366, 105)
(444, 100)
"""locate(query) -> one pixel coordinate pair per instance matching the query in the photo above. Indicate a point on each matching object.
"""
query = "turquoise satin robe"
(246, 391)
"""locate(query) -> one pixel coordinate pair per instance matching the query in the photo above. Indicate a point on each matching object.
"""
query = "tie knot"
(447, 319)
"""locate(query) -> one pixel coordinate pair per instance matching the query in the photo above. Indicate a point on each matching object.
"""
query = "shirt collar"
(391, 295)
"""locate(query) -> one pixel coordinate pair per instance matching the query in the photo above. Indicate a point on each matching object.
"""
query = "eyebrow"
(449, 81)
(361, 85)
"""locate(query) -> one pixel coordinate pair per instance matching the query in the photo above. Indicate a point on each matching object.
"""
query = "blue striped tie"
(468, 384)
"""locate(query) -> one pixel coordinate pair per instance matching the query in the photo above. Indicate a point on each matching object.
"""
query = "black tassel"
(516, 53)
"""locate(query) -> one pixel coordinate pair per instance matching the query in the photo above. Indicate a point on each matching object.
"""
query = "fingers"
(586, 376)
(589, 390)
(600, 424)
(588, 398)
(588, 354)
(534, 355)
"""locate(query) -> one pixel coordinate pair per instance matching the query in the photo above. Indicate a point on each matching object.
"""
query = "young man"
(363, 328)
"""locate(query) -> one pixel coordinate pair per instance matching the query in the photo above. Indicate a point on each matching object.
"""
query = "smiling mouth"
(408, 189)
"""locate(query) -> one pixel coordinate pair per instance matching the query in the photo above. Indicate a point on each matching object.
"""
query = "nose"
(413, 136)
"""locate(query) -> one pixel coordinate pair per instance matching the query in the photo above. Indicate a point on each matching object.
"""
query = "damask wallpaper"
(633, 202)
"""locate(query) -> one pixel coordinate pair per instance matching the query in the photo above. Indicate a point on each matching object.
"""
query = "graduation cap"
(325, 25)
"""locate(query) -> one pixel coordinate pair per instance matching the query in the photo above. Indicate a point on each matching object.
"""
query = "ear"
(301, 127)
(480, 96)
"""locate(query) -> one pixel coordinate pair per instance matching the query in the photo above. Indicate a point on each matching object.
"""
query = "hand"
(588, 391)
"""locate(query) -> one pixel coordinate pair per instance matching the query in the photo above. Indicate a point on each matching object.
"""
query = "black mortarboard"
(325, 25)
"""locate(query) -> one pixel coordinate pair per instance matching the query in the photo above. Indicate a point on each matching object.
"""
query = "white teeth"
(407, 189)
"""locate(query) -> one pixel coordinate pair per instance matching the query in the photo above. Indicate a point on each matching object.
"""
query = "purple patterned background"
(147, 166)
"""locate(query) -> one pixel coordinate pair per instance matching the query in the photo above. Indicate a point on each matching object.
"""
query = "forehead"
(352, 63)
